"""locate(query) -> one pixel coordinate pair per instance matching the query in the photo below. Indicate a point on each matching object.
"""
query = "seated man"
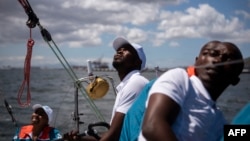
(182, 107)
(39, 129)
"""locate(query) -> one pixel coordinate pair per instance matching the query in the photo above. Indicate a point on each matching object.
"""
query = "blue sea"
(54, 87)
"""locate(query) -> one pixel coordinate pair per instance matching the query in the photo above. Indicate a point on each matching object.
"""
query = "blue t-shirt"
(133, 118)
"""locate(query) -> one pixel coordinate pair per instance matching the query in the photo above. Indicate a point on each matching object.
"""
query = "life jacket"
(26, 132)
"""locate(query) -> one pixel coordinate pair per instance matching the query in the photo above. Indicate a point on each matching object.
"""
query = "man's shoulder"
(53, 129)
(27, 127)
(141, 99)
(55, 133)
(177, 70)
(138, 79)
(23, 131)
(175, 73)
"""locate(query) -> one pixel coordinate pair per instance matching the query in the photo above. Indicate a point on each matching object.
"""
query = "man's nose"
(217, 59)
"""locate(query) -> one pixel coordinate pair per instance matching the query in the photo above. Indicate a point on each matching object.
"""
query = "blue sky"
(171, 31)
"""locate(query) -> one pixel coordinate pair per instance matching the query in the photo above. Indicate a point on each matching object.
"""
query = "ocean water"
(55, 88)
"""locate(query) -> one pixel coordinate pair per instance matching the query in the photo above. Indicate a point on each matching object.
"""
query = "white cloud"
(201, 22)
(82, 23)
(136, 35)
(245, 14)
(94, 23)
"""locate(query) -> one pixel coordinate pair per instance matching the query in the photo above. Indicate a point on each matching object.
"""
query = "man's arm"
(113, 134)
(160, 114)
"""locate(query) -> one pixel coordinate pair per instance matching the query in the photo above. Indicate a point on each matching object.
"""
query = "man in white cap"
(39, 128)
(128, 60)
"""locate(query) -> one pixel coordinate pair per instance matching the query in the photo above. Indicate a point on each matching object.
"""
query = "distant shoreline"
(245, 70)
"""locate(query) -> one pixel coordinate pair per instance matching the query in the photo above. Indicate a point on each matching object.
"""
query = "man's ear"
(235, 81)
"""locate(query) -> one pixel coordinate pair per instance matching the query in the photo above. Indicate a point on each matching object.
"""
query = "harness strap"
(190, 71)
(26, 80)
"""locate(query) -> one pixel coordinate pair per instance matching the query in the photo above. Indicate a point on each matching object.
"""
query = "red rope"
(26, 81)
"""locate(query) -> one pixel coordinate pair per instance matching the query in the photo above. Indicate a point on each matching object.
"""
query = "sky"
(170, 31)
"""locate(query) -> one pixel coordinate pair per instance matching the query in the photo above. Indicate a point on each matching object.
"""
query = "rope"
(31, 23)
(26, 81)
(48, 39)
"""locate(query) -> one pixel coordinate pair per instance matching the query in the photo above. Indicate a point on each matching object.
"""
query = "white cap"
(47, 110)
(119, 41)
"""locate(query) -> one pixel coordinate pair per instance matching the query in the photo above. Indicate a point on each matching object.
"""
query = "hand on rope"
(88, 134)
(30, 44)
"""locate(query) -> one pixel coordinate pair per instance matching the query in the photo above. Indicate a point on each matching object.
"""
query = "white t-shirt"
(199, 119)
(128, 90)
